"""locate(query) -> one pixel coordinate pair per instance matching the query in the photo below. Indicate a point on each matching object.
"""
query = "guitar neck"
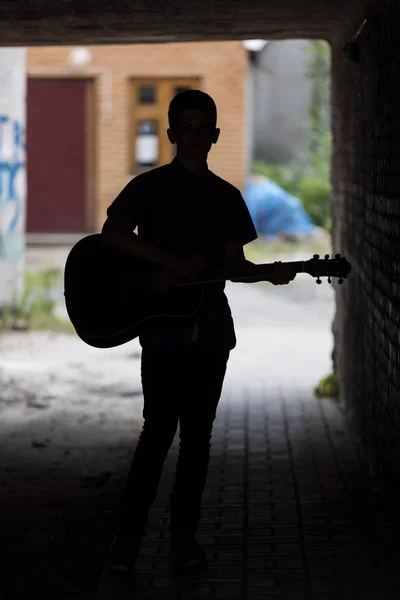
(227, 273)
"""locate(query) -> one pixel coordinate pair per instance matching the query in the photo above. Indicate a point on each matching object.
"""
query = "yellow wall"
(221, 67)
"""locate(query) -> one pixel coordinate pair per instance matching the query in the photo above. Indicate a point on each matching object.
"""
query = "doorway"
(60, 149)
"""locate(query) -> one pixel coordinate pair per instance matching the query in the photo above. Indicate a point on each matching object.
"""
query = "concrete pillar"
(12, 172)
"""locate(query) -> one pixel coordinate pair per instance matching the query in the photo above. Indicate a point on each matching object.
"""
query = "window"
(146, 151)
(149, 146)
(178, 90)
(147, 94)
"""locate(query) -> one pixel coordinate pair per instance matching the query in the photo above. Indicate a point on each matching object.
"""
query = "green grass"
(36, 309)
(43, 322)
(328, 387)
(37, 322)
(264, 251)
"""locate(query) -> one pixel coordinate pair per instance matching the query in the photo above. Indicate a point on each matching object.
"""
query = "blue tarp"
(274, 211)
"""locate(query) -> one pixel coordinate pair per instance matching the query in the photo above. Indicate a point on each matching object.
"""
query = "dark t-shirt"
(178, 211)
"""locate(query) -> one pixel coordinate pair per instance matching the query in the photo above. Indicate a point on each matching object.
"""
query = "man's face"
(194, 133)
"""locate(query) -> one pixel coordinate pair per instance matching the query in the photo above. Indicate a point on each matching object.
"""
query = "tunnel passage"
(365, 94)
(365, 177)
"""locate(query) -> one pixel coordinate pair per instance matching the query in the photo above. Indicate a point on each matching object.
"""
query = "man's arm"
(117, 234)
(239, 231)
(122, 219)
(234, 255)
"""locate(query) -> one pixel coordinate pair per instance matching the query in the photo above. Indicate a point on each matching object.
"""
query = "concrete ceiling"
(47, 22)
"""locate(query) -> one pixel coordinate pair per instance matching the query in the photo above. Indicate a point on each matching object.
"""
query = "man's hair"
(191, 99)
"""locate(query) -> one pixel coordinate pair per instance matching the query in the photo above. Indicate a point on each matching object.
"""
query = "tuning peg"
(316, 256)
(337, 256)
(318, 280)
(329, 280)
(326, 256)
(340, 281)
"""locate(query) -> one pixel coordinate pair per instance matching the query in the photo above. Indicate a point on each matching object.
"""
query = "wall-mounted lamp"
(351, 50)
(254, 48)
(255, 45)
(79, 58)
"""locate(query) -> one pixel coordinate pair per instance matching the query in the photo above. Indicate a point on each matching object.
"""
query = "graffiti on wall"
(12, 170)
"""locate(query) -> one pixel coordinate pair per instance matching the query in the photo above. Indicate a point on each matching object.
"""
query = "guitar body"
(109, 298)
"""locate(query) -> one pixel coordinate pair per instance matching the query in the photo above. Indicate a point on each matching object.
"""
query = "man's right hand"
(188, 266)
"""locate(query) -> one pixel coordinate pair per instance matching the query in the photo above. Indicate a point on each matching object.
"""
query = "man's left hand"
(281, 274)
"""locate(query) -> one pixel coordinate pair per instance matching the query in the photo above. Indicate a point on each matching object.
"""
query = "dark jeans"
(178, 386)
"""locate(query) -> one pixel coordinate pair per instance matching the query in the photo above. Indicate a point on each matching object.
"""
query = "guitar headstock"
(328, 267)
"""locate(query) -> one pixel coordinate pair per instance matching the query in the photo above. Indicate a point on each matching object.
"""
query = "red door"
(56, 155)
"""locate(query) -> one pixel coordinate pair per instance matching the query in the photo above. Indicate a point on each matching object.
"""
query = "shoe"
(186, 554)
(123, 552)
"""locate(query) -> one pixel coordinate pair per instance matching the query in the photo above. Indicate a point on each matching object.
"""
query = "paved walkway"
(287, 511)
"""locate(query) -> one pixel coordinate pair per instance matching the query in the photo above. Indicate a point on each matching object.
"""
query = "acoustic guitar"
(111, 297)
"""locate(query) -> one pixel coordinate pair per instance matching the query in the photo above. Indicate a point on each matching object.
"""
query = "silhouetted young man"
(180, 207)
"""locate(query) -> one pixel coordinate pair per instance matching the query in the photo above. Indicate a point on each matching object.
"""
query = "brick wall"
(221, 67)
(366, 228)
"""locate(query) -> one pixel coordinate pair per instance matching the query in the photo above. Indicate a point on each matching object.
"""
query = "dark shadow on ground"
(287, 514)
